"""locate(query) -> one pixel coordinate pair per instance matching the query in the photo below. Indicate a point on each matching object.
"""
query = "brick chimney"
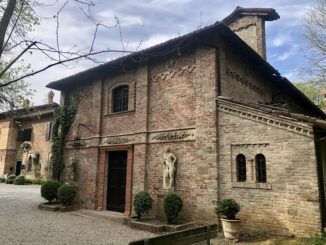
(50, 97)
(249, 25)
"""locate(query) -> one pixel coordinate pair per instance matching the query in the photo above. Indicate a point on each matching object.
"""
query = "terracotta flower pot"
(231, 228)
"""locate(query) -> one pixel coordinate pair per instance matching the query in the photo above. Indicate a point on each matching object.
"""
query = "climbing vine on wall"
(63, 118)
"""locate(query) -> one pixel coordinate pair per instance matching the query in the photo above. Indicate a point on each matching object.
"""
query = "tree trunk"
(5, 20)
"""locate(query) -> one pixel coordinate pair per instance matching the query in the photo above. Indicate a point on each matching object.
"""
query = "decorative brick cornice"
(180, 135)
(252, 145)
(168, 135)
(271, 120)
(172, 73)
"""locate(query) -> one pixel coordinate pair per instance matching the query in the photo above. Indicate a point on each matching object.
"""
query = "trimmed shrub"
(66, 194)
(28, 182)
(19, 180)
(228, 208)
(142, 203)
(38, 181)
(10, 179)
(172, 206)
(2, 180)
(319, 239)
(49, 190)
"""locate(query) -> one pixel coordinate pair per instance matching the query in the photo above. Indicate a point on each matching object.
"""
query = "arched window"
(260, 161)
(241, 168)
(120, 99)
(29, 164)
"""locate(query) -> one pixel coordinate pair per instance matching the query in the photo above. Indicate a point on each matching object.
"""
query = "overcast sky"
(148, 22)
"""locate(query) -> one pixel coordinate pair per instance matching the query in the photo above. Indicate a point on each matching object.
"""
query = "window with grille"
(241, 168)
(120, 99)
(260, 168)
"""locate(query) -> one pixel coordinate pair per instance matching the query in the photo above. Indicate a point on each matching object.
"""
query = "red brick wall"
(289, 202)
(171, 93)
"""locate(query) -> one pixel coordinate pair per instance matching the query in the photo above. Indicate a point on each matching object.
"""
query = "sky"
(144, 23)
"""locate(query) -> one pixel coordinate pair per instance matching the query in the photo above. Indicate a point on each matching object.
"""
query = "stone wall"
(85, 174)
(242, 80)
(185, 183)
(7, 145)
(170, 105)
(87, 118)
(39, 144)
(172, 93)
(289, 202)
(12, 152)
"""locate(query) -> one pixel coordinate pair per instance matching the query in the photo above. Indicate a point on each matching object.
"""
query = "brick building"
(25, 140)
(237, 128)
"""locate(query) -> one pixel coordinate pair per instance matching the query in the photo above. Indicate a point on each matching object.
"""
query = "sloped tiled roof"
(32, 112)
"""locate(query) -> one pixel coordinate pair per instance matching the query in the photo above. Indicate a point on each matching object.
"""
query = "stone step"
(112, 216)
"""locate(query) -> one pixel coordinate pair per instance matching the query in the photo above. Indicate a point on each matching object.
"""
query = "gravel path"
(21, 222)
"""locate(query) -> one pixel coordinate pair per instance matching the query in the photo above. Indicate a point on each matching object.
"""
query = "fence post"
(146, 242)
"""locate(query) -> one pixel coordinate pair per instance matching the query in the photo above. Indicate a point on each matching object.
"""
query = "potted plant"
(228, 208)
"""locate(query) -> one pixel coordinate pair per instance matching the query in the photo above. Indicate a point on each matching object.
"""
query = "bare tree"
(17, 20)
(315, 34)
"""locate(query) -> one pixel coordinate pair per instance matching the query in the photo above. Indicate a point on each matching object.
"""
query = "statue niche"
(169, 169)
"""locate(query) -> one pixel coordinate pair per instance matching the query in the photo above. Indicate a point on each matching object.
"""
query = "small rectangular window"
(241, 168)
(120, 99)
(261, 176)
(49, 131)
(25, 134)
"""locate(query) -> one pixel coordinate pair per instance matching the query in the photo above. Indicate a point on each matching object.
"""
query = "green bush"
(19, 180)
(319, 239)
(142, 203)
(172, 206)
(49, 190)
(10, 179)
(66, 194)
(28, 182)
(228, 208)
(2, 180)
(38, 181)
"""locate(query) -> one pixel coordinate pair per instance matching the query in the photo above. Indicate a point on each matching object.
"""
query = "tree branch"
(57, 63)
(5, 20)
(16, 59)
(15, 24)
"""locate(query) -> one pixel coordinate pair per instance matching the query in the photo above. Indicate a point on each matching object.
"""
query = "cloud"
(125, 20)
(288, 52)
(293, 76)
(154, 21)
(280, 40)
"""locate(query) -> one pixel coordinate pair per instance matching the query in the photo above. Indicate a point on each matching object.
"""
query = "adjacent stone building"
(209, 104)
(25, 140)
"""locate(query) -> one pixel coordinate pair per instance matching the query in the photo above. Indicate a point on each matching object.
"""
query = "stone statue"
(169, 169)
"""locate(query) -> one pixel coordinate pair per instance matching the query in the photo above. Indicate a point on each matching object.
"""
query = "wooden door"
(116, 189)
(18, 167)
